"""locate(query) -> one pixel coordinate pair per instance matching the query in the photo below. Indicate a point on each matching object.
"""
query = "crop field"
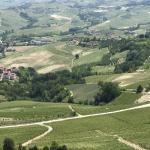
(90, 57)
(20, 134)
(28, 111)
(44, 59)
(102, 34)
(99, 132)
(103, 69)
(96, 78)
(125, 80)
(125, 100)
(83, 92)
(93, 133)
(52, 57)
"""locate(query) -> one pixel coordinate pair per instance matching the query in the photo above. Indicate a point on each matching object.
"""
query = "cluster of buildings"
(8, 74)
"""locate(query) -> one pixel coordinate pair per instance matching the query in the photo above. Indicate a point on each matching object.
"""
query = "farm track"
(122, 140)
(72, 109)
(50, 129)
(77, 117)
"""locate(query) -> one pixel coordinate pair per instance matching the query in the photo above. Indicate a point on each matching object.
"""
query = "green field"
(95, 55)
(28, 111)
(83, 92)
(97, 25)
(125, 100)
(90, 133)
(97, 132)
(20, 134)
(103, 69)
(96, 78)
(52, 57)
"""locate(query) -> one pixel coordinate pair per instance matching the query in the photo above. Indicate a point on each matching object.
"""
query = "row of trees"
(8, 144)
(48, 87)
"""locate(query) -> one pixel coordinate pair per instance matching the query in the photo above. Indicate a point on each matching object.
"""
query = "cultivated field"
(102, 132)
(21, 134)
(28, 111)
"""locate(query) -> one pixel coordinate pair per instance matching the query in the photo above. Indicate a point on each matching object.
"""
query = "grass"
(126, 80)
(103, 69)
(28, 111)
(125, 100)
(96, 78)
(20, 134)
(51, 57)
(94, 132)
(145, 83)
(83, 92)
(94, 56)
(121, 57)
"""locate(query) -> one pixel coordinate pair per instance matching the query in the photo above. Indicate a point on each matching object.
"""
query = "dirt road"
(74, 118)
(50, 129)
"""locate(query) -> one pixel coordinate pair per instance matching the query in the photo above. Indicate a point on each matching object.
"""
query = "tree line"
(8, 144)
(48, 87)
(138, 51)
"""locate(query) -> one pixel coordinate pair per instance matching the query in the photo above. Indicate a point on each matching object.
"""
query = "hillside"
(74, 74)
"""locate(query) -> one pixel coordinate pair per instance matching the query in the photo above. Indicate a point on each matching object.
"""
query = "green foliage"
(33, 148)
(47, 87)
(20, 147)
(139, 52)
(107, 92)
(46, 148)
(139, 89)
(55, 146)
(8, 144)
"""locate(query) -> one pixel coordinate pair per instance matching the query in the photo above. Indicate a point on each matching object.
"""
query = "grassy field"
(96, 78)
(83, 92)
(82, 134)
(125, 100)
(103, 69)
(97, 132)
(28, 111)
(52, 57)
(21, 134)
(127, 80)
(90, 57)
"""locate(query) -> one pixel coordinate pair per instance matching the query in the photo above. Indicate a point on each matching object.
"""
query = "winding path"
(77, 117)
(50, 129)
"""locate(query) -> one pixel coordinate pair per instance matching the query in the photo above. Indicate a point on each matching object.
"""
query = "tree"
(139, 89)
(33, 148)
(54, 146)
(46, 148)
(20, 147)
(8, 144)
(107, 92)
(77, 56)
(70, 99)
(64, 147)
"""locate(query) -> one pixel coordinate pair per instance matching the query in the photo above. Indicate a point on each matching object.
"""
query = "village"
(8, 73)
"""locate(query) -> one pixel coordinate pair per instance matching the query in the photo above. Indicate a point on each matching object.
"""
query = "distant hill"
(11, 3)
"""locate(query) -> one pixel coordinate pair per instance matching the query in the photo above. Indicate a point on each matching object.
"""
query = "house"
(8, 73)
(10, 49)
